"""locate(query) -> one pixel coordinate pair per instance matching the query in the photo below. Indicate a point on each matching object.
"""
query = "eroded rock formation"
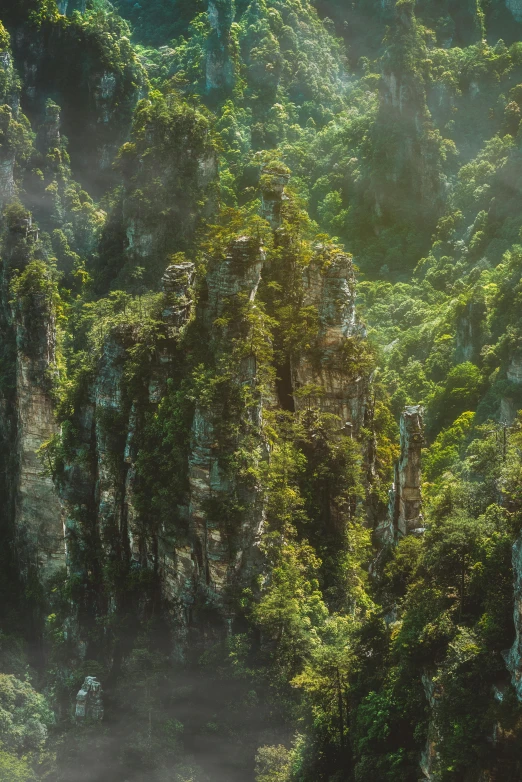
(324, 376)
(28, 324)
(89, 701)
(405, 507)
(220, 69)
(513, 657)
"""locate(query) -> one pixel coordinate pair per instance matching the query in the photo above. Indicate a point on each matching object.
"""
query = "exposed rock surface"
(514, 372)
(219, 555)
(239, 272)
(322, 376)
(38, 512)
(405, 507)
(429, 757)
(176, 284)
(513, 657)
(220, 70)
(48, 136)
(29, 321)
(97, 98)
(469, 336)
(412, 169)
(89, 701)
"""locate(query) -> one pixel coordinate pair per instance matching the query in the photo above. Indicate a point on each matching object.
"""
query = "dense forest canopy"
(260, 390)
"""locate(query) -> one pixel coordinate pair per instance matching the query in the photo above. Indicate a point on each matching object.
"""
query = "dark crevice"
(285, 390)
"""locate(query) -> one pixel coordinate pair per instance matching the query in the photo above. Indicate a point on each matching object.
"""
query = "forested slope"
(260, 381)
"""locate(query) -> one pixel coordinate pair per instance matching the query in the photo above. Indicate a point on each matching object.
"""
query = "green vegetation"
(226, 443)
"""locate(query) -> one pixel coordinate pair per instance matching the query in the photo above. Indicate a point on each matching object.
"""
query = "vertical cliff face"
(96, 80)
(7, 159)
(38, 513)
(28, 323)
(405, 506)
(9, 105)
(220, 69)
(224, 548)
(321, 376)
(470, 332)
(273, 183)
(408, 476)
(514, 656)
(169, 170)
(408, 183)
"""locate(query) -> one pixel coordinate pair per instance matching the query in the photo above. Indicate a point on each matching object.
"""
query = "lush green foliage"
(343, 659)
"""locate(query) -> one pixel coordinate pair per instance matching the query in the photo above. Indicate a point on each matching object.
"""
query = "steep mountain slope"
(205, 402)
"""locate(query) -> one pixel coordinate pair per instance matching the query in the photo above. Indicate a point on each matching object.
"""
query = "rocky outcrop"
(404, 132)
(97, 484)
(28, 320)
(38, 518)
(7, 183)
(177, 283)
(238, 273)
(430, 756)
(97, 96)
(169, 172)
(9, 101)
(273, 183)
(469, 332)
(514, 372)
(333, 375)
(89, 701)
(220, 68)
(220, 554)
(513, 657)
(405, 505)
(510, 400)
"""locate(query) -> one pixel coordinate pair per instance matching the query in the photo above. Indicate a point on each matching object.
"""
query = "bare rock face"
(9, 102)
(514, 372)
(97, 120)
(405, 507)
(29, 320)
(513, 656)
(325, 375)
(403, 105)
(211, 486)
(508, 404)
(429, 757)
(7, 160)
(240, 272)
(220, 70)
(38, 516)
(176, 284)
(89, 701)
(470, 332)
(7, 183)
